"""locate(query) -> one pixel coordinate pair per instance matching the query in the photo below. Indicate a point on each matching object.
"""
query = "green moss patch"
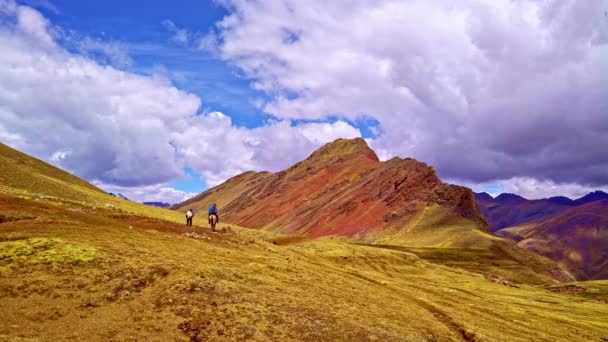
(46, 251)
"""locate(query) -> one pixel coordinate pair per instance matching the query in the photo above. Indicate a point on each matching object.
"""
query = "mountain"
(507, 198)
(591, 197)
(76, 262)
(158, 204)
(340, 189)
(508, 210)
(573, 233)
(576, 237)
(561, 200)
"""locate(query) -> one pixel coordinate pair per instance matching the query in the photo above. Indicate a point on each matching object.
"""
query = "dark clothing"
(188, 221)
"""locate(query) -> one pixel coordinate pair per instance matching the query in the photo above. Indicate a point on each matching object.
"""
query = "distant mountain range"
(158, 204)
(508, 210)
(154, 204)
(571, 232)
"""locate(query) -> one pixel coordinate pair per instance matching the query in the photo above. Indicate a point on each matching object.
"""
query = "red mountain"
(341, 189)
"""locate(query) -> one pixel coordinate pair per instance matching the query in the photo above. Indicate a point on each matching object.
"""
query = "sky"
(160, 102)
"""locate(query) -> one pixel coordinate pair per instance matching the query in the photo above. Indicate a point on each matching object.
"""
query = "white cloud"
(115, 53)
(148, 193)
(43, 4)
(180, 35)
(115, 123)
(34, 26)
(213, 146)
(129, 132)
(480, 89)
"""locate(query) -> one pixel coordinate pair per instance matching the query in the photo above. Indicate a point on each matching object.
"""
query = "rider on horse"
(213, 212)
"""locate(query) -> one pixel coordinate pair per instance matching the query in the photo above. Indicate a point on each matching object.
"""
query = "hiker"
(189, 216)
(214, 218)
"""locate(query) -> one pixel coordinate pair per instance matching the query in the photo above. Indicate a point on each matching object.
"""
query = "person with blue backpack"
(214, 218)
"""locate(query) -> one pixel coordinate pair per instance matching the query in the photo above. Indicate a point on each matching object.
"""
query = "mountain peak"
(507, 197)
(591, 197)
(342, 148)
(560, 200)
(484, 196)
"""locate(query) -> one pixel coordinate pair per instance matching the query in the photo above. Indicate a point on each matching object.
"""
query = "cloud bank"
(483, 90)
(509, 92)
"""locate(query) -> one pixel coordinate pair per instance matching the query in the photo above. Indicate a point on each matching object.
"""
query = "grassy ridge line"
(30, 177)
(12, 161)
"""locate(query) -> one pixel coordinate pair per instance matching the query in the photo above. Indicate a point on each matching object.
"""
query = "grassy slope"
(25, 176)
(147, 281)
(455, 241)
(79, 264)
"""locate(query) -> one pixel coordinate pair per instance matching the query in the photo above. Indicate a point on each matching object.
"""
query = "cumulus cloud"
(108, 119)
(483, 90)
(212, 144)
(501, 91)
(129, 133)
(148, 193)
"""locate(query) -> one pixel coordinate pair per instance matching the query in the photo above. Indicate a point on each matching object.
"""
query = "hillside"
(341, 189)
(72, 269)
(74, 272)
(18, 170)
(25, 176)
(577, 238)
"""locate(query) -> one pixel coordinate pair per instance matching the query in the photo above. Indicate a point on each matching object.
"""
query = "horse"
(212, 221)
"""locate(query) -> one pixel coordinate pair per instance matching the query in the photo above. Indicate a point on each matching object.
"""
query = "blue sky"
(139, 26)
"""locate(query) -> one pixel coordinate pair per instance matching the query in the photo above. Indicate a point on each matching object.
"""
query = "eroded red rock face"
(341, 189)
